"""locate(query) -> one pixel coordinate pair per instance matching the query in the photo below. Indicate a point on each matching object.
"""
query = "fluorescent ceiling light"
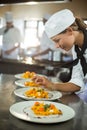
(32, 1)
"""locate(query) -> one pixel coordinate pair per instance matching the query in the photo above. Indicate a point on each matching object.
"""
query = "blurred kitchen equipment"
(54, 55)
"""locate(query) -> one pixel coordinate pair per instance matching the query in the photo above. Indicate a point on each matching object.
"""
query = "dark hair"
(79, 24)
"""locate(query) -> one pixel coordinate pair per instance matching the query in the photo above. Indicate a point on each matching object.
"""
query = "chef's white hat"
(46, 16)
(58, 22)
(8, 17)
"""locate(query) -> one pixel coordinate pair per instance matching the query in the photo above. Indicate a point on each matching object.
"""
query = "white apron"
(10, 38)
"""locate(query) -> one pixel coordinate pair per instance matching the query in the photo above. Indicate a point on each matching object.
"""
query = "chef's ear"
(69, 30)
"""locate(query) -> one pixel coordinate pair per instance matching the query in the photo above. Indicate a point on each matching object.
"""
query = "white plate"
(53, 95)
(19, 76)
(22, 110)
(21, 82)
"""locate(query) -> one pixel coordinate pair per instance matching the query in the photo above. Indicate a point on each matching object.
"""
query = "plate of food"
(27, 75)
(26, 83)
(42, 111)
(36, 93)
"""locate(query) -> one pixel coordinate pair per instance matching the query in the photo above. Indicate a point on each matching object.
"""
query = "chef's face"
(64, 40)
(44, 20)
(9, 24)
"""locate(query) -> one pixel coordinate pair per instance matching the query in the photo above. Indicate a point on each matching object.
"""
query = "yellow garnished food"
(31, 84)
(28, 74)
(42, 109)
(37, 93)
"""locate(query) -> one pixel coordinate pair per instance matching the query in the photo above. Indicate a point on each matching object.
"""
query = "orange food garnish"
(43, 109)
(37, 93)
(31, 84)
(28, 74)
(37, 103)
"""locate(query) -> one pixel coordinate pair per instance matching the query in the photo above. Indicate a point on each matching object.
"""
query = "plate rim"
(21, 80)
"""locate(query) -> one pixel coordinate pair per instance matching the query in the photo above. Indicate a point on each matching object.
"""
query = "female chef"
(11, 38)
(68, 32)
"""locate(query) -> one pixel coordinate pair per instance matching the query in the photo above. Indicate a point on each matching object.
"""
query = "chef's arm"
(17, 45)
(65, 87)
(42, 53)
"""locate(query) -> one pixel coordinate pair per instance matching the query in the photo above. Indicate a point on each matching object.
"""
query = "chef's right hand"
(43, 81)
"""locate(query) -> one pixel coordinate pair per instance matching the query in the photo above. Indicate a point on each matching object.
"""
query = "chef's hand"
(43, 81)
(7, 52)
(17, 45)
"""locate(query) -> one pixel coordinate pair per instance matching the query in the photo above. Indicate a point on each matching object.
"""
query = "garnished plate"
(20, 76)
(23, 111)
(52, 95)
(25, 83)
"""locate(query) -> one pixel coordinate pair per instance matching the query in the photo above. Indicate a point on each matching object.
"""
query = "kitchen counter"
(8, 121)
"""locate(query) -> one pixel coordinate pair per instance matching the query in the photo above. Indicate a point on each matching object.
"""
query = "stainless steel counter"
(7, 121)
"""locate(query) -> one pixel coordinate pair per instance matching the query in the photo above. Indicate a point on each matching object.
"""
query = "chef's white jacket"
(11, 37)
(77, 72)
